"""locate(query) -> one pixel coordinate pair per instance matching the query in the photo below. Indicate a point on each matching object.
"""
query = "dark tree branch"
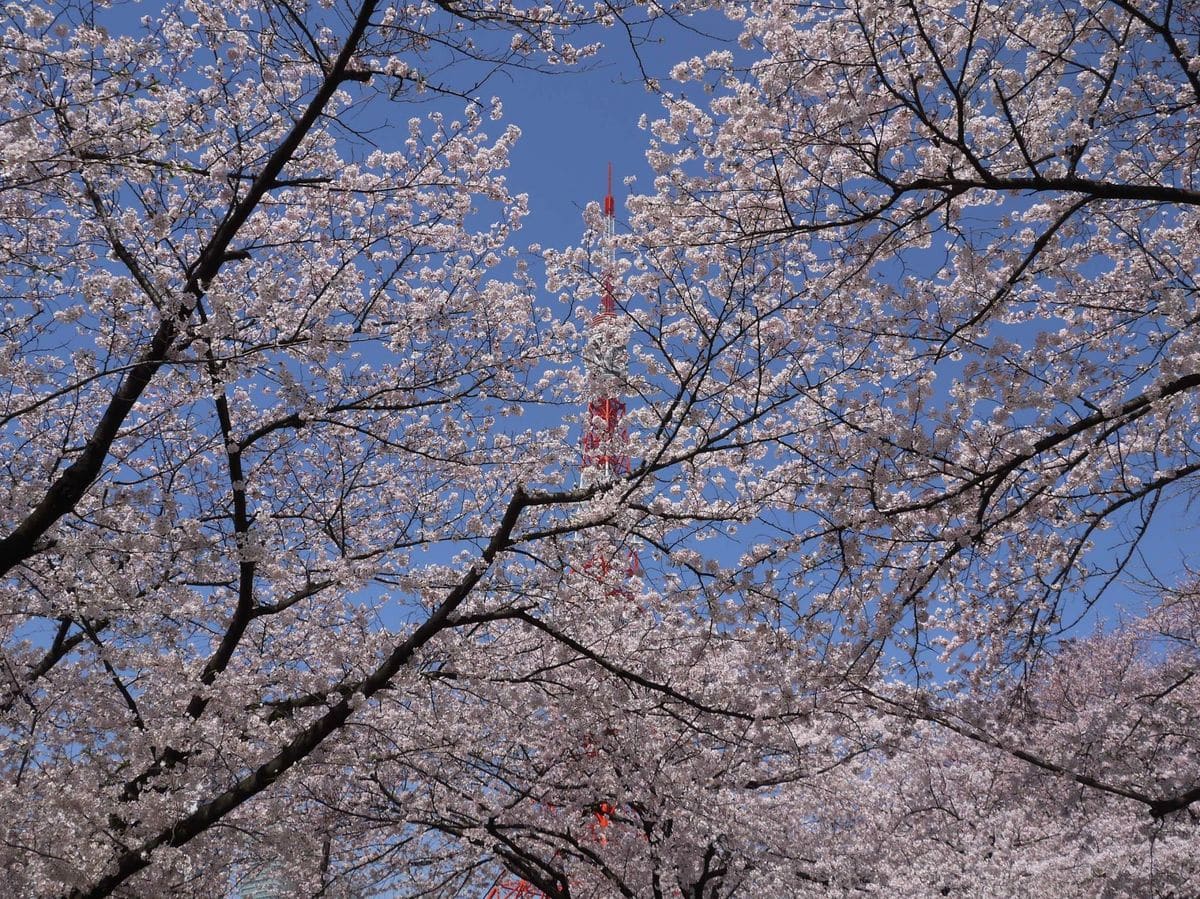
(74, 481)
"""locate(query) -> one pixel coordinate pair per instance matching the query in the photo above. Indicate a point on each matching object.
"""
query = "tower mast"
(605, 457)
(605, 436)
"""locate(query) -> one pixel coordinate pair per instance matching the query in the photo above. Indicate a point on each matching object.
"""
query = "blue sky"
(574, 123)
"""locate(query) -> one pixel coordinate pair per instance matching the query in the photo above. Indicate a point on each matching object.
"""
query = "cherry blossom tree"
(931, 269)
(262, 374)
(298, 579)
(966, 237)
(1043, 787)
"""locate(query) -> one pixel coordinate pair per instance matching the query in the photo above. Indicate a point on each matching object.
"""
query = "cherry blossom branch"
(1164, 31)
(625, 674)
(211, 811)
(1158, 808)
(77, 477)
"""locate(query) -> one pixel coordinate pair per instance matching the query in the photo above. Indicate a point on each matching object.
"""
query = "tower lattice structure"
(605, 457)
(605, 436)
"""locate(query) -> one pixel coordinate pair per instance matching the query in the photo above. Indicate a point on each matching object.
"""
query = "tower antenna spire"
(608, 305)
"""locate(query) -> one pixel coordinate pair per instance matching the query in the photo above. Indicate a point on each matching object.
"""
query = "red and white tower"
(605, 459)
(605, 436)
